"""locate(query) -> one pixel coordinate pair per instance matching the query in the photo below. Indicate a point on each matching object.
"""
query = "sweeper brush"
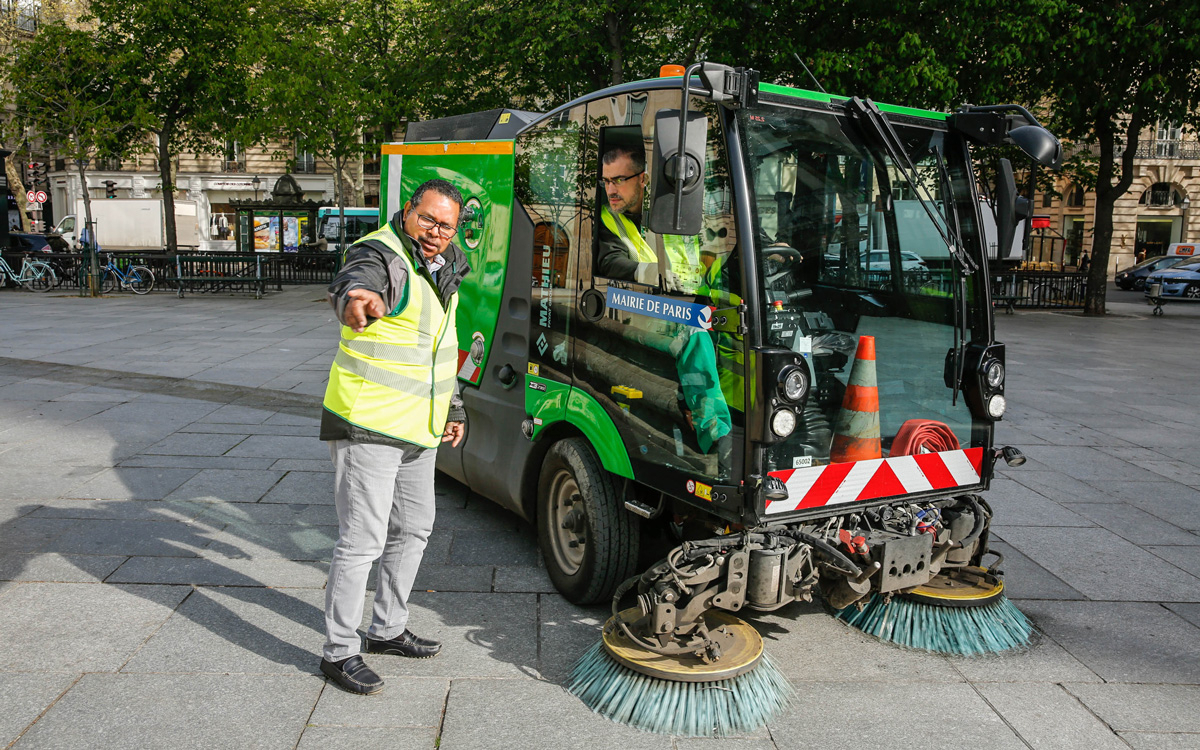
(683, 695)
(963, 612)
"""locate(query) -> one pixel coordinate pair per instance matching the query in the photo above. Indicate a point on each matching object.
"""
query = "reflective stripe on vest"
(397, 376)
(631, 238)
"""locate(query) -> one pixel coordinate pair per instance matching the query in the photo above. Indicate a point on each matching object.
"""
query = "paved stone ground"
(166, 517)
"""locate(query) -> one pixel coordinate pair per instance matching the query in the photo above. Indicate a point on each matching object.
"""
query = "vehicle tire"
(43, 278)
(1192, 291)
(1139, 283)
(140, 279)
(588, 539)
(109, 282)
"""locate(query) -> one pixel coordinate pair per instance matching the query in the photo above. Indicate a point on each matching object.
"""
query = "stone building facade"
(1157, 210)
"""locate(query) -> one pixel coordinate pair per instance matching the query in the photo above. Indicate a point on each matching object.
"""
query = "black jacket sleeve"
(612, 259)
(368, 266)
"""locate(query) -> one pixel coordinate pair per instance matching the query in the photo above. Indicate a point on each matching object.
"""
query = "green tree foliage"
(182, 63)
(1113, 70)
(67, 89)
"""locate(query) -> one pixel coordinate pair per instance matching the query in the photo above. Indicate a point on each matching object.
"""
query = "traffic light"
(110, 189)
(37, 172)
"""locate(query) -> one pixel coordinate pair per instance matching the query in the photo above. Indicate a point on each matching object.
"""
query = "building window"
(371, 160)
(1047, 200)
(306, 161)
(1162, 194)
(235, 159)
(1075, 197)
(1166, 140)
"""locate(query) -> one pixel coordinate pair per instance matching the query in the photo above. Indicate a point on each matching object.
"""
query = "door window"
(673, 384)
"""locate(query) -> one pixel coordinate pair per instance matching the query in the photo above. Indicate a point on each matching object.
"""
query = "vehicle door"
(644, 345)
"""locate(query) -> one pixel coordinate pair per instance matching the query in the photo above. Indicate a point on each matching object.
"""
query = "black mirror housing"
(670, 167)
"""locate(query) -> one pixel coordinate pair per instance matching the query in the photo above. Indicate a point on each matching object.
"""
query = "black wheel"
(140, 279)
(1139, 283)
(588, 539)
(109, 282)
(41, 277)
(1192, 292)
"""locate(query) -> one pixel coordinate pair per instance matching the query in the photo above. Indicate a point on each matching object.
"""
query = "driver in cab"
(624, 252)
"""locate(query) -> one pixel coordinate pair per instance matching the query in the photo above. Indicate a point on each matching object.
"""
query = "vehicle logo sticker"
(534, 385)
(703, 491)
(537, 420)
(533, 368)
(663, 308)
(542, 346)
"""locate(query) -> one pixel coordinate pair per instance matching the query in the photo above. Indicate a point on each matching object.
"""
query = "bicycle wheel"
(109, 282)
(140, 279)
(41, 277)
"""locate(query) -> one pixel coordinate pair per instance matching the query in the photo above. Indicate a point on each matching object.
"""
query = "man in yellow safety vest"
(391, 400)
(624, 252)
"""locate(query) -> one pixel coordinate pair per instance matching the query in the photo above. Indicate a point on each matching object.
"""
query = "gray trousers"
(384, 499)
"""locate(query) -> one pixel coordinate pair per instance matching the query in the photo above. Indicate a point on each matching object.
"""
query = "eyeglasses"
(619, 181)
(428, 222)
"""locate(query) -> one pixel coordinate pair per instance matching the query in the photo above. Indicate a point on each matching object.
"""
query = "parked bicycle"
(138, 279)
(35, 275)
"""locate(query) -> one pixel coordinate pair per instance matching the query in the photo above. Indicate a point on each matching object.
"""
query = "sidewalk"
(166, 519)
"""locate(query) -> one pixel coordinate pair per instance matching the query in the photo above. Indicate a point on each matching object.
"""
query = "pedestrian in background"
(391, 400)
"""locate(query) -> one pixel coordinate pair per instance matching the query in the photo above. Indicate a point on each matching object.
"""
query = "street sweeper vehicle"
(671, 332)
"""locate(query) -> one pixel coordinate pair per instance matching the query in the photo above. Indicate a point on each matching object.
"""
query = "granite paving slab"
(565, 632)
(281, 446)
(231, 485)
(1161, 740)
(1189, 612)
(119, 510)
(1123, 641)
(207, 571)
(297, 514)
(323, 738)
(887, 714)
(1133, 524)
(243, 540)
(53, 567)
(239, 631)
(132, 484)
(118, 711)
(133, 537)
(25, 695)
(1025, 579)
(1044, 661)
(1101, 565)
(1183, 557)
(80, 627)
(195, 444)
(542, 712)
(313, 487)
(1046, 716)
(1143, 708)
(406, 702)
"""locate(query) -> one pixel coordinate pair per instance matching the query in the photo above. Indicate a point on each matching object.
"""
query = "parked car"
(909, 261)
(1134, 277)
(1182, 280)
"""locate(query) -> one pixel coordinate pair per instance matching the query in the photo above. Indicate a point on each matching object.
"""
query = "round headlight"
(793, 384)
(783, 422)
(995, 374)
(996, 406)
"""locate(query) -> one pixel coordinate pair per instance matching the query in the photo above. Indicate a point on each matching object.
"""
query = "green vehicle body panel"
(560, 402)
(481, 174)
(816, 96)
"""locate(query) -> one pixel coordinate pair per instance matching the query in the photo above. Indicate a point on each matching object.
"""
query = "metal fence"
(206, 272)
(1039, 289)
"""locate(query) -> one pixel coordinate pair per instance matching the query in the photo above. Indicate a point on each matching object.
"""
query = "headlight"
(996, 406)
(995, 374)
(783, 422)
(793, 384)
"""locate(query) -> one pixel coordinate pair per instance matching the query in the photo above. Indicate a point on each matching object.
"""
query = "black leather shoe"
(353, 675)
(406, 644)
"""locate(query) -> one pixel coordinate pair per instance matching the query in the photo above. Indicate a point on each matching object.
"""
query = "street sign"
(41, 196)
(31, 196)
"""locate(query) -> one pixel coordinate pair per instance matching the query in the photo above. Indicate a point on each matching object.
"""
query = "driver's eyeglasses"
(619, 181)
(428, 222)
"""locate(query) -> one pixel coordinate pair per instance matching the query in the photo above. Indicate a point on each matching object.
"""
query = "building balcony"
(1171, 149)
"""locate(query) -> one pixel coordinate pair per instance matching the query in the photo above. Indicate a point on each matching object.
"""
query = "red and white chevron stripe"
(855, 481)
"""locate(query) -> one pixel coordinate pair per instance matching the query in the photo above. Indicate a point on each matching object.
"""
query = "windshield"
(356, 227)
(846, 251)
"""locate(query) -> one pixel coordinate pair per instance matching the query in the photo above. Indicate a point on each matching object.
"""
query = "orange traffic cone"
(856, 435)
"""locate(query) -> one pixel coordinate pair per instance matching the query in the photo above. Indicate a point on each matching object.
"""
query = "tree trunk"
(168, 185)
(1107, 194)
(612, 23)
(92, 248)
(18, 191)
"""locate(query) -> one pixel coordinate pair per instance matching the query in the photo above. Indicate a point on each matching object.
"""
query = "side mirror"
(670, 168)
(1011, 209)
(1038, 143)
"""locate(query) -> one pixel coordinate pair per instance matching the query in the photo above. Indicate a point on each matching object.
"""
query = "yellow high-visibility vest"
(683, 253)
(731, 356)
(397, 376)
(630, 236)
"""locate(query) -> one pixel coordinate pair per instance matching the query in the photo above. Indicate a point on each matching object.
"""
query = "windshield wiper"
(877, 129)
